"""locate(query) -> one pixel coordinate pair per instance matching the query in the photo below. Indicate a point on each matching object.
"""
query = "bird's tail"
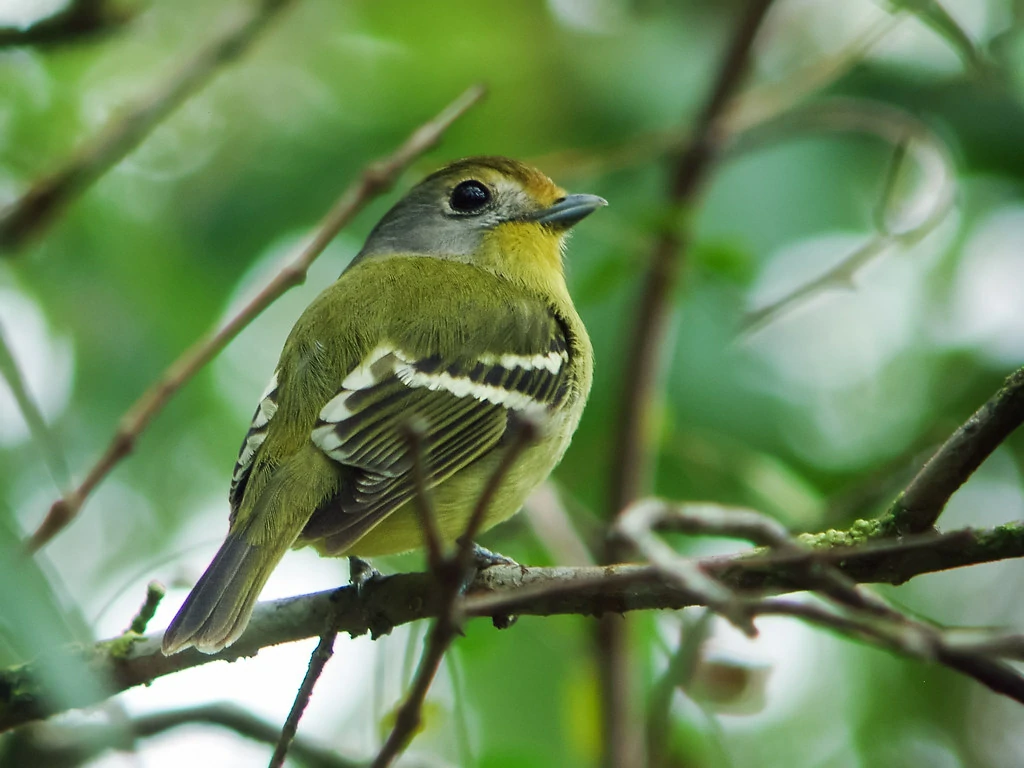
(218, 609)
(220, 604)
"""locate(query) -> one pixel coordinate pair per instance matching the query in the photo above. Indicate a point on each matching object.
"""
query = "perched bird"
(455, 313)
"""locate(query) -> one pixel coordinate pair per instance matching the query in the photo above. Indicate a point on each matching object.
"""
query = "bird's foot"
(361, 573)
(483, 558)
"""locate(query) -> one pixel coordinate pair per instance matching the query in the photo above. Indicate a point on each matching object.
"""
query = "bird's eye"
(469, 197)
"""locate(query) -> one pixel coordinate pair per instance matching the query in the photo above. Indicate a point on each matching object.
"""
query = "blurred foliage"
(816, 419)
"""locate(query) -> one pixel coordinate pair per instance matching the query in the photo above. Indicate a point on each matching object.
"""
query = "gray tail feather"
(217, 610)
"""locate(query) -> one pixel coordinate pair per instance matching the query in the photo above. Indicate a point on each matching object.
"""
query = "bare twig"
(632, 458)
(934, 14)
(44, 200)
(374, 180)
(919, 506)
(703, 520)
(48, 445)
(423, 500)
(690, 172)
(78, 744)
(864, 615)
(681, 666)
(525, 432)
(154, 594)
(80, 19)
(451, 576)
(395, 600)
(407, 718)
(898, 224)
(637, 523)
(317, 661)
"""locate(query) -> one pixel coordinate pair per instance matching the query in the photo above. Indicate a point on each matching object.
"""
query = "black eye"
(469, 196)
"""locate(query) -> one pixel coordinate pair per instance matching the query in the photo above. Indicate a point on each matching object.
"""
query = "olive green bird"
(456, 314)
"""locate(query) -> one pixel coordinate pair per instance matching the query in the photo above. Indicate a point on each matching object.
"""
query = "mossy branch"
(132, 660)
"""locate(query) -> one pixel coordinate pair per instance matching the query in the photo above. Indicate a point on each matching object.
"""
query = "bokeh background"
(817, 417)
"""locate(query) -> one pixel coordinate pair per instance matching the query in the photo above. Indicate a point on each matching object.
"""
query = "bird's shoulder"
(425, 306)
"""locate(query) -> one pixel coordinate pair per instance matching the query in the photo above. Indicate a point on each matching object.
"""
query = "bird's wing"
(254, 438)
(462, 405)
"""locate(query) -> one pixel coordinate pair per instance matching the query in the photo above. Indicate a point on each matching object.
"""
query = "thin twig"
(919, 506)
(376, 179)
(864, 615)
(48, 445)
(681, 666)
(451, 577)
(935, 15)
(816, 572)
(702, 519)
(653, 309)
(407, 718)
(745, 111)
(423, 500)
(898, 224)
(155, 592)
(639, 392)
(78, 744)
(637, 524)
(125, 662)
(525, 432)
(317, 661)
(47, 197)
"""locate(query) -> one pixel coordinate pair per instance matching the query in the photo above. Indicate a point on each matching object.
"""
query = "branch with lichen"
(131, 660)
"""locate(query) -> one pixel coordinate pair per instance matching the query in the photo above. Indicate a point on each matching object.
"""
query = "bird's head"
(493, 212)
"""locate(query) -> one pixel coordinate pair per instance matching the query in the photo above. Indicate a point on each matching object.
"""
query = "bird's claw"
(361, 573)
(484, 558)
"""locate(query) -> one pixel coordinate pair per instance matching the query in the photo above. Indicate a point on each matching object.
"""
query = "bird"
(455, 314)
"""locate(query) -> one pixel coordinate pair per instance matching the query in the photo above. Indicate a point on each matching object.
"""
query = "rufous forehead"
(499, 171)
(534, 183)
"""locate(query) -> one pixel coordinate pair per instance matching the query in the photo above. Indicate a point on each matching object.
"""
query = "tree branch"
(317, 661)
(898, 223)
(857, 613)
(132, 660)
(632, 458)
(919, 506)
(376, 179)
(47, 197)
(450, 576)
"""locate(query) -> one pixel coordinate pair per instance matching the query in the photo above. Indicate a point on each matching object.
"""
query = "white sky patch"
(835, 358)
(841, 335)
(25, 13)
(987, 307)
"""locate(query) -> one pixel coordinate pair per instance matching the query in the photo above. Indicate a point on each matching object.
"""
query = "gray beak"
(569, 210)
